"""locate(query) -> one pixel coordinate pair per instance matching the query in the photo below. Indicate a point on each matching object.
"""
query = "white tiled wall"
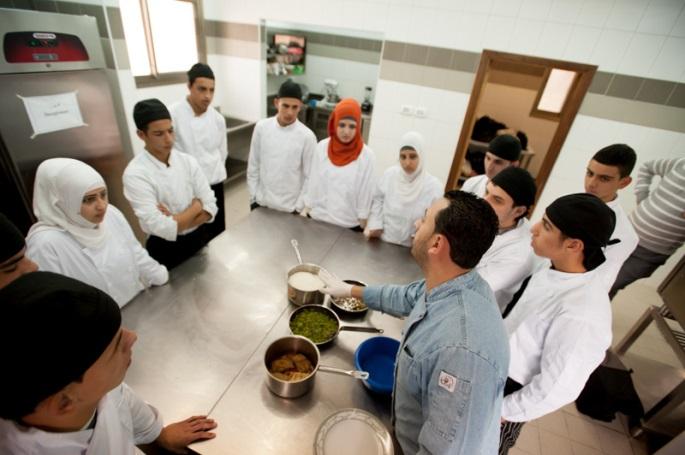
(238, 86)
(636, 37)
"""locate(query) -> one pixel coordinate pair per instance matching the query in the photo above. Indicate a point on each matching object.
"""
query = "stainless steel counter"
(202, 337)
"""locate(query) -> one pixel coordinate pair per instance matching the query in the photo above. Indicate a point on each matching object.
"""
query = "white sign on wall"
(53, 112)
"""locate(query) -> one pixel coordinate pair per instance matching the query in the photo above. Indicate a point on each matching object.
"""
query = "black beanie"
(518, 184)
(148, 111)
(12, 240)
(506, 147)
(585, 217)
(290, 89)
(52, 329)
(199, 70)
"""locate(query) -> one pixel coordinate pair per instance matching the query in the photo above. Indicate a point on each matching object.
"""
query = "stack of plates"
(352, 431)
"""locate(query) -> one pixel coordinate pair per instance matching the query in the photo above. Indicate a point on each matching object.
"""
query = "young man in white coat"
(559, 321)
(280, 155)
(510, 259)
(608, 172)
(63, 383)
(201, 132)
(167, 189)
(503, 151)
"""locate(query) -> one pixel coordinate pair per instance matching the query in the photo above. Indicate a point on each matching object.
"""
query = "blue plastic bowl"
(377, 356)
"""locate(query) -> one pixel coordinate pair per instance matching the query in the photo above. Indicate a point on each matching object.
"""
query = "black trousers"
(509, 431)
(172, 254)
(217, 226)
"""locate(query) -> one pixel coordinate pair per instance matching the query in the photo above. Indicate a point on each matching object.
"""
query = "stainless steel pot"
(330, 313)
(297, 344)
(297, 296)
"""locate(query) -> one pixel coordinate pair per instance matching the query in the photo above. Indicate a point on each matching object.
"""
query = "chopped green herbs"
(316, 326)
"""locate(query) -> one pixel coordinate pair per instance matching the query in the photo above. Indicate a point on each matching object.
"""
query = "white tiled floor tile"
(529, 440)
(554, 423)
(551, 444)
(582, 431)
(580, 449)
(613, 442)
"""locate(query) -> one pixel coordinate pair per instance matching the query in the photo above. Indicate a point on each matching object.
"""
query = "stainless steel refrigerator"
(47, 59)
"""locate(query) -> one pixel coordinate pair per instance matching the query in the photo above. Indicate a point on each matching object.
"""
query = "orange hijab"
(341, 154)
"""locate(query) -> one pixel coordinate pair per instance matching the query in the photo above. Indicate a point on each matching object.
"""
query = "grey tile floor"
(566, 431)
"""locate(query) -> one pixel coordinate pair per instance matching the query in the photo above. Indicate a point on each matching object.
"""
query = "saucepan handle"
(353, 373)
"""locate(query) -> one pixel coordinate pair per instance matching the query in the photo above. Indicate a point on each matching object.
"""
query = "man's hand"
(334, 286)
(162, 208)
(176, 436)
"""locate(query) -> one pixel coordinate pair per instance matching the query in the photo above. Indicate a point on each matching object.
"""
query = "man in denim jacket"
(453, 360)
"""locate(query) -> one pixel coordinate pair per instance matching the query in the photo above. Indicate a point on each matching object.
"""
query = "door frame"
(568, 113)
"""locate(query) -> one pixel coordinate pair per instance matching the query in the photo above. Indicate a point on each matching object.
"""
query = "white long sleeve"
(559, 332)
(279, 164)
(148, 182)
(340, 195)
(617, 254)
(508, 261)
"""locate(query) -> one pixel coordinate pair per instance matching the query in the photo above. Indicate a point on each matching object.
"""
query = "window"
(162, 39)
(554, 92)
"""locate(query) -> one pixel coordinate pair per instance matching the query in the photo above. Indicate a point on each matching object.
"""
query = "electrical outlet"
(421, 112)
(407, 109)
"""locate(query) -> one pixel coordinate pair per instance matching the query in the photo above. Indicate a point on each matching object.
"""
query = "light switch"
(421, 112)
(407, 109)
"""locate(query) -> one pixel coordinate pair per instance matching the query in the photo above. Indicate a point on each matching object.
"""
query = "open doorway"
(533, 98)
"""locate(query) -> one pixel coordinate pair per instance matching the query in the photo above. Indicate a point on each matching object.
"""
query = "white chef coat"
(149, 182)
(123, 421)
(559, 332)
(279, 162)
(203, 136)
(390, 213)
(508, 262)
(340, 194)
(617, 254)
(476, 185)
(120, 267)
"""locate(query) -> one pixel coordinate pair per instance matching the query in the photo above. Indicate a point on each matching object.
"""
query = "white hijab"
(58, 193)
(407, 187)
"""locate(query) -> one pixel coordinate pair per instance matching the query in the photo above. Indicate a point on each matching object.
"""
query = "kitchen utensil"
(297, 344)
(352, 431)
(298, 296)
(339, 308)
(377, 355)
(330, 313)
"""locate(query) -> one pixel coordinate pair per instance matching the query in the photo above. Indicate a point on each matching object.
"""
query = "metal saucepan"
(300, 345)
(330, 313)
(346, 312)
(303, 297)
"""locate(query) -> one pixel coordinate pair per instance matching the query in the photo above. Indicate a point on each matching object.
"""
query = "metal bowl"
(342, 311)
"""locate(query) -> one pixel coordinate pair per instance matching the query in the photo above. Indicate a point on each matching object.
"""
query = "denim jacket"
(451, 367)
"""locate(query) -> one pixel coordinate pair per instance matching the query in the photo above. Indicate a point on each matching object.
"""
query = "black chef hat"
(518, 184)
(585, 217)
(290, 89)
(11, 239)
(52, 329)
(199, 70)
(148, 111)
(506, 147)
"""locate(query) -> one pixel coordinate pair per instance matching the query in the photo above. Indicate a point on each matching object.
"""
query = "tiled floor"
(565, 432)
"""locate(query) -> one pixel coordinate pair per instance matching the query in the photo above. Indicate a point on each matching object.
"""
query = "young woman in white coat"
(341, 178)
(403, 194)
(78, 234)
